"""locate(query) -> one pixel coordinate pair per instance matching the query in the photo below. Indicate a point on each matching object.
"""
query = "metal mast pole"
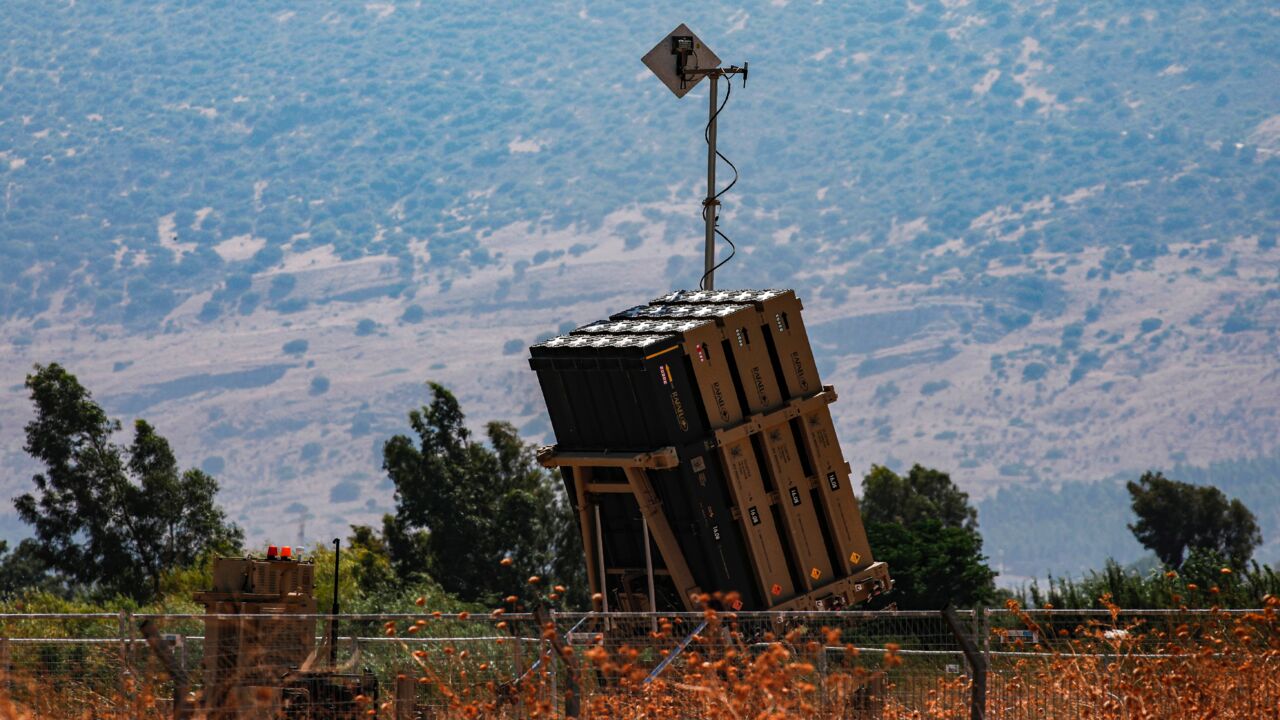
(333, 612)
(681, 60)
(709, 205)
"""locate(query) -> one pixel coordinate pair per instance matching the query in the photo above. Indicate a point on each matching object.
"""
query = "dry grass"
(1226, 665)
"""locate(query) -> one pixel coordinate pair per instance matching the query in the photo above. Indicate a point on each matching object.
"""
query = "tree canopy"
(1175, 517)
(463, 506)
(922, 494)
(109, 517)
(923, 526)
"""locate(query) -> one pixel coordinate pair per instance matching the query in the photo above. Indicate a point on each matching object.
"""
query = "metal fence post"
(985, 629)
(4, 663)
(572, 699)
(822, 668)
(405, 696)
(124, 632)
(550, 664)
(977, 663)
(176, 668)
(517, 665)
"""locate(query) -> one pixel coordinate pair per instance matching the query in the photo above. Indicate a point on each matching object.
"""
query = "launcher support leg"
(586, 524)
(648, 569)
(604, 573)
(634, 466)
(663, 537)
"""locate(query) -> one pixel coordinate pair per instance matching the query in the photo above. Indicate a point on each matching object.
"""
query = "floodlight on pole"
(680, 61)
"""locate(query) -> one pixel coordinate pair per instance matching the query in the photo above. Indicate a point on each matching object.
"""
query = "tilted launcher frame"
(697, 425)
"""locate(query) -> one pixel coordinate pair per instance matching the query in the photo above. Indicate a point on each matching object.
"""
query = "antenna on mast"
(680, 61)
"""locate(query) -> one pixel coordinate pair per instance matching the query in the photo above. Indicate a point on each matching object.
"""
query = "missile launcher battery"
(700, 419)
(628, 396)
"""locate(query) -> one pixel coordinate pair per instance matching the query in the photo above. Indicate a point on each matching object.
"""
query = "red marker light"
(286, 552)
(271, 551)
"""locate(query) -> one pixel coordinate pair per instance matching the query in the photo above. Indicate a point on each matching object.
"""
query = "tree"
(1174, 517)
(924, 494)
(110, 517)
(369, 558)
(22, 569)
(923, 526)
(463, 506)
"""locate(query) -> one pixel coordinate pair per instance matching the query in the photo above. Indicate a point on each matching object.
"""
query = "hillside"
(1036, 240)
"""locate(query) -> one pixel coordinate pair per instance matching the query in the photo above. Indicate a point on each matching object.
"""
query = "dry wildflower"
(891, 657)
(1213, 664)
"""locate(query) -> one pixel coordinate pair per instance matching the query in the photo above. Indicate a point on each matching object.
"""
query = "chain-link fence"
(881, 664)
(65, 665)
(1133, 663)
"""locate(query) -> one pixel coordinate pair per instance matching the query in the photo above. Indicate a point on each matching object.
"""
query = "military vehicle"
(261, 658)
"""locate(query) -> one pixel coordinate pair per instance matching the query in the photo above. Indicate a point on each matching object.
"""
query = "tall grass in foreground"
(1043, 665)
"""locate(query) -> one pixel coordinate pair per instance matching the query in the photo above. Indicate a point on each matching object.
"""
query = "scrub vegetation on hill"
(155, 152)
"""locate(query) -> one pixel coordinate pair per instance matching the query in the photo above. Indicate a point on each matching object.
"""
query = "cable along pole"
(710, 206)
(680, 61)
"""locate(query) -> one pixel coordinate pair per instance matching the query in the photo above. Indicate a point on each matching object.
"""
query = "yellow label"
(815, 573)
(855, 558)
(661, 352)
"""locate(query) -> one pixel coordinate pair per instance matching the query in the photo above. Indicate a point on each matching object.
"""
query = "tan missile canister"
(755, 513)
(781, 320)
(799, 515)
(799, 370)
(835, 488)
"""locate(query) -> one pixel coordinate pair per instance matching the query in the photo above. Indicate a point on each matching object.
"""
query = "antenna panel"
(662, 61)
